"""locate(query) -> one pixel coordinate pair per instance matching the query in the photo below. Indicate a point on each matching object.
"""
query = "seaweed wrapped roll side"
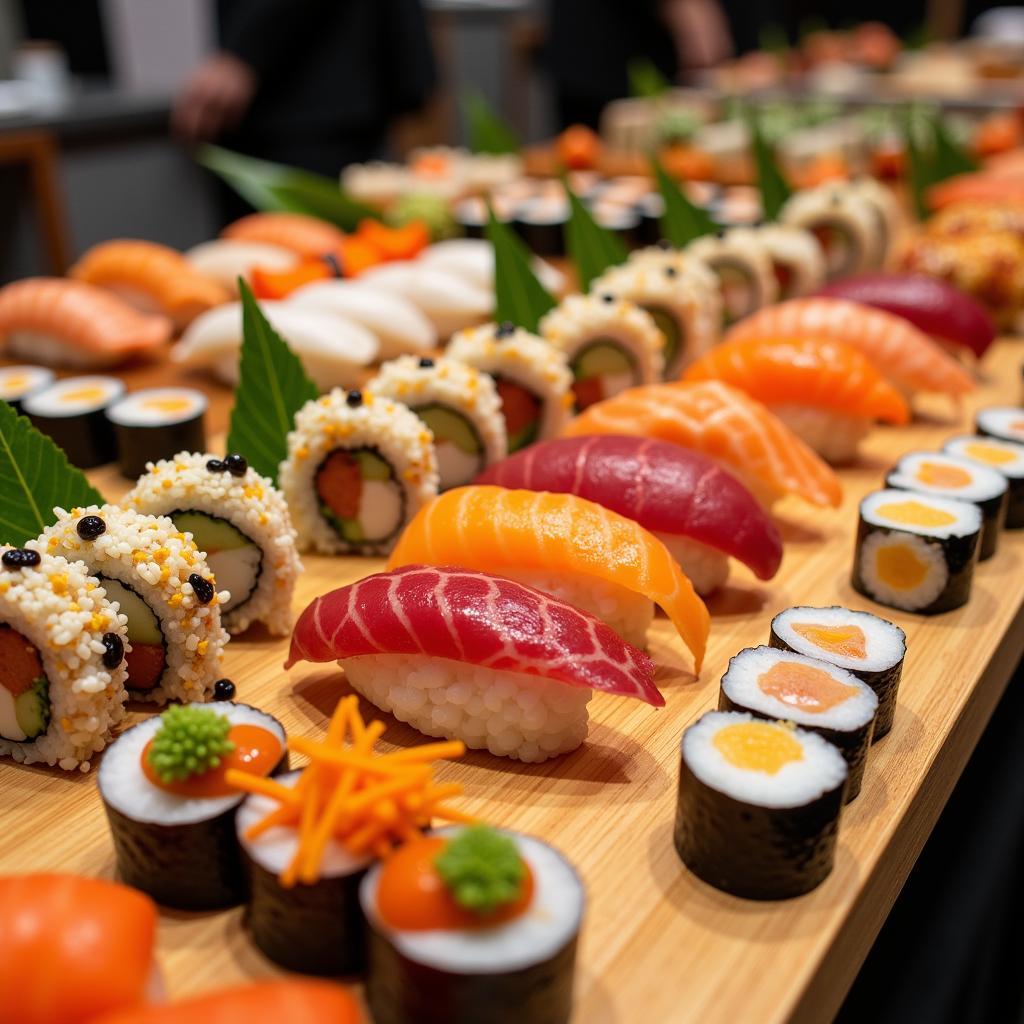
(18, 382)
(154, 424)
(758, 805)
(73, 412)
(1006, 458)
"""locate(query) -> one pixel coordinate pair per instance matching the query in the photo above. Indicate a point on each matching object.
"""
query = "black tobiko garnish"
(223, 689)
(426, 363)
(215, 465)
(720, 233)
(671, 271)
(20, 558)
(235, 464)
(505, 329)
(203, 588)
(113, 650)
(607, 297)
(354, 399)
(91, 527)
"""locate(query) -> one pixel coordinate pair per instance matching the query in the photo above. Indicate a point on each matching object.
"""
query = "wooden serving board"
(658, 945)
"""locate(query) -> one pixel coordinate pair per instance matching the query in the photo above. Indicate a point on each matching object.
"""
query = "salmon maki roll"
(152, 278)
(70, 323)
(903, 353)
(566, 546)
(826, 392)
(307, 236)
(725, 424)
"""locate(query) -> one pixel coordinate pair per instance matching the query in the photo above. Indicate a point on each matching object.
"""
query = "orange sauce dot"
(804, 686)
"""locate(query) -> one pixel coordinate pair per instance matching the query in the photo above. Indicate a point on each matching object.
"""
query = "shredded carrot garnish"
(368, 802)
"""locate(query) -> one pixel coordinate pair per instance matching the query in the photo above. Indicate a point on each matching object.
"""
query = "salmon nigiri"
(724, 424)
(308, 236)
(292, 1001)
(904, 354)
(70, 323)
(151, 277)
(73, 948)
(566, 546)
(826, 392)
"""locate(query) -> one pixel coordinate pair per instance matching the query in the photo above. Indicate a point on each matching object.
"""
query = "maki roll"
(240, 519)
(611, 344)
(744, 268)
(916, 552)
(472, 926)
(1006, 458)
(679, 293)
(868, 647)
(1003, 422)
(532, 379)
(845, 225)
(171, 810)
(460, 406)
(541, 221)
(154, 424)
(797, 259)
(18, 382)
(161, 582)
(358, 468)
(885, 209)
(811, 693)
(953, 477)
(73, 413)
(62, 668)
(758, 807)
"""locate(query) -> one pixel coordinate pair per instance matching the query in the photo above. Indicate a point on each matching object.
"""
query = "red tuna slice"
(476, 618)
(665, 488)
(931, 305)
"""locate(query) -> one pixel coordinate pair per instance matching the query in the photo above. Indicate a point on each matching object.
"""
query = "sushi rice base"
(51, 401)
(985, 483)
(885, 644)
(967, 517)
(1003, 422)
(273, 850)
(740, 684)
(706, 568)
(833, 435)
(1013, 467)
(123, 784)
(820, 770)
(553, 919)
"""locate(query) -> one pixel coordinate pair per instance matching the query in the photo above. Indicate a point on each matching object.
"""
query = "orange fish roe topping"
(367, 801)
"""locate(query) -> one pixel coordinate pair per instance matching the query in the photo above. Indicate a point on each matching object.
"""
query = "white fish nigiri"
(332, 349)
(400, 326)
(228, 259)
(448, 301)
(472, 259)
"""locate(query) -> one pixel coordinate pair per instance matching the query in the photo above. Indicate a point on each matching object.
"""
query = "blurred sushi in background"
(1004, 422)
(18, 382)
(798, 262)
(154, 423)
(1006, 458)
(228, 259)
(306, 236)
(743, 267)
(73, 412)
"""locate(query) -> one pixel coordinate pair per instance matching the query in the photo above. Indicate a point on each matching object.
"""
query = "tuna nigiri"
(152, 278)
(514, 667)
(70, 323)
(826, 392)
(307, 236)
(566, 546)
(292, 1001)
(73, 948)
(905, 355)
(700, 512)
(724, 424)
(931, 305)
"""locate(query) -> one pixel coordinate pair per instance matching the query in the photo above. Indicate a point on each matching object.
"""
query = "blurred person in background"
(592, 42)
(310, 83)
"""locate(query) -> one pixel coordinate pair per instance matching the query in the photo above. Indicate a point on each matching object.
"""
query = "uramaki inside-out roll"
(865, 645)
(797, 259)
(758, 806)
(780, 685)
(1005, 457)
(845, 225)
(744, 268)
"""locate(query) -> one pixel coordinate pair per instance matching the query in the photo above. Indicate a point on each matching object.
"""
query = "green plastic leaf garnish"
(919, 166)
(950, 157)
(773, 186)
(35, 477)
(940, 156)
(518, 296)
(682, 221)
(482, 869)
(272, 387)
(487, 132)
(592, 248)
(277, 187)
(190, 741)
(646, 79)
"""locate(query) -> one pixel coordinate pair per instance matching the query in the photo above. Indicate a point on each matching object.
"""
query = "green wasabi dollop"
(190, 741)
(482, 869)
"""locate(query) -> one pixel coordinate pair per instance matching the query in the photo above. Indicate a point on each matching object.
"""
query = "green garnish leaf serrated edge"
(35, 477)
(683, 221)
(592, 248)
(487, 132)
(272, 387)
(518, 296)
(772, 185)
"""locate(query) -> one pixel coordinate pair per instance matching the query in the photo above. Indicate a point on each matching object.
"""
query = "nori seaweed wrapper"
(87, 438)
(1015, 507)
(885, 683)
(852, 743)
(403, 991)
(139, 444)
(760, 853)
(960, 554)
